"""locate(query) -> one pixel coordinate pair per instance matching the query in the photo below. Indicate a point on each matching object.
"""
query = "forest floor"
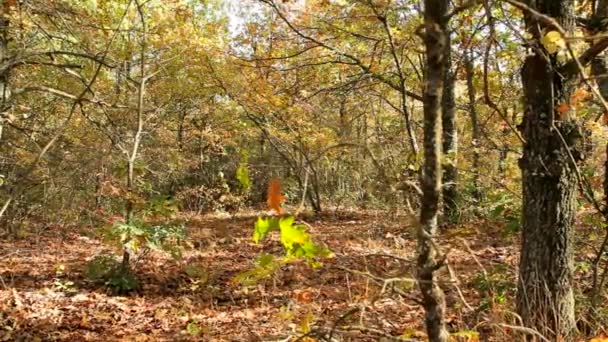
(44, 295)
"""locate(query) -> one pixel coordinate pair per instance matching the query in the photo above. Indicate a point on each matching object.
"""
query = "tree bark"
(434, 34)
(450, 139)
(545, 298)
(599, 71)
(4, 75)
(476, 134)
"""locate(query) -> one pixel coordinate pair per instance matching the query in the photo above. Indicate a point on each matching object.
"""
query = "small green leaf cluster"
(497, 283)
(502, 207)
(242, 173)
(265, 267)
(296, 241)
(163, 206)
(108, 271)
(138, 234)
(294, 238)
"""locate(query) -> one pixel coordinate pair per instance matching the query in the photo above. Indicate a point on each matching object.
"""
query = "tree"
(450, 138)
(476, 134)
(554, 145)
(435, 36)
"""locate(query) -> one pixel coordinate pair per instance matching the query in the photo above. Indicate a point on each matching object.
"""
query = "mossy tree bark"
(434, 34)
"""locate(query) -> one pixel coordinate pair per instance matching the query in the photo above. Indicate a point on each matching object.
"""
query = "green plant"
(502, 207)
(294, 238)
(162, 205)
(64, 286)
(106, 270)
(494, 287)
(296, 241)
(242, 173)
(193, 329)
(98, 268)
(265, 267)
(122, 281)
(138, 234)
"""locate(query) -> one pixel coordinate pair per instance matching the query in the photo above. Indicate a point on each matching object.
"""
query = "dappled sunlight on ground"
(45, 295)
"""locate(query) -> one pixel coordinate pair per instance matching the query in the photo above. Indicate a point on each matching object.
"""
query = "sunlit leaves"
(263, 226)
(265, 266)
(553, 42)
(294, 237)
(137, 235)
(242, 173)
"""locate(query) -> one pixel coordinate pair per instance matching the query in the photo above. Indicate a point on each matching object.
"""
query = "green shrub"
(296, 241)
(106, 270)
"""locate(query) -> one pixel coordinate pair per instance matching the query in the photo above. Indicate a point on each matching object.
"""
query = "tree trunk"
(4, 75)
(435, 40)
(476, 136)
(4, 93)
(545, 298)
(599, 71)
(450, 139)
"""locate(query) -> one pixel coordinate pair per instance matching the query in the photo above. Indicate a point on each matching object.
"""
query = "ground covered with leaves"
(366, 292)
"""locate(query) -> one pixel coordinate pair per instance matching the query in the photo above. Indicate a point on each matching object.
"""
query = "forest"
(304, 170)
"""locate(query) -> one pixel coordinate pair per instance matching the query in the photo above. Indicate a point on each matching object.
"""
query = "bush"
(107, 271)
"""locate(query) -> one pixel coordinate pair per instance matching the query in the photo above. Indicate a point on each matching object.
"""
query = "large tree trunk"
(545, 298)
(599, 71)
(435, 39)
(450, 139)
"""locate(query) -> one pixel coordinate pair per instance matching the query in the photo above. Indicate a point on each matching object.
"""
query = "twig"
(377, 332)
(459, 9)
(388, 256)
(525, 330)
(454, 278)
(304, 190)
(483, 269)
(486, 87)
(341, 319)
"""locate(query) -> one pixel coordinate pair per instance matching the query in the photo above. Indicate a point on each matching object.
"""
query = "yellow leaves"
(59, 269)
(275, 198)
(553, 42)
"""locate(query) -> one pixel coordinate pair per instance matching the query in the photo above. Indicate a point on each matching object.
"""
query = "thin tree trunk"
(4, 87)
(4, 75)
(434, 35)
(138, 131)
(476, 135)
(450, 139)
(545, 299)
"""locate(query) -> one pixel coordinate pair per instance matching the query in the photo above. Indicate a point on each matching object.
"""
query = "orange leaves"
(577, 98)
(8, 4)
(562, 108)
(599, 339)
(275, 198)
(304, 296)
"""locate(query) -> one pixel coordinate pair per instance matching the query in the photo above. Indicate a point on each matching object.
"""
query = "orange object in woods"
(275, 198)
